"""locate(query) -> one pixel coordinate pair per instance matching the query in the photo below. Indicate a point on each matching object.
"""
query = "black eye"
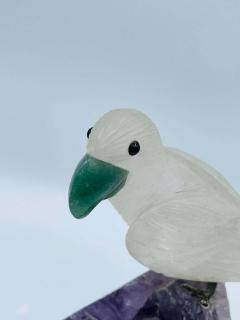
(134, 148)
(89, 131)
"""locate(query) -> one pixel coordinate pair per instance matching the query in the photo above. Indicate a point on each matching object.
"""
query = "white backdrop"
(64, 64)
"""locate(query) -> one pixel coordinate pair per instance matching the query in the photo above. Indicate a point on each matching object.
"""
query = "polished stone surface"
(153, 296)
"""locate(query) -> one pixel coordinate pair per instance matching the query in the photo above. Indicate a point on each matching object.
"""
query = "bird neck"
(141, 191)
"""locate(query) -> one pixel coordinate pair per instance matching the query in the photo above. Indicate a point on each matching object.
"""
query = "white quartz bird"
(183, 216)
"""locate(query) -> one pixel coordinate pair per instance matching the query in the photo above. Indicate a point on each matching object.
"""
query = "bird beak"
(93, 181)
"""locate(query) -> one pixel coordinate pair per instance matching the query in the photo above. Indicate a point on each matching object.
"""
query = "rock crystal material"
(183, 216)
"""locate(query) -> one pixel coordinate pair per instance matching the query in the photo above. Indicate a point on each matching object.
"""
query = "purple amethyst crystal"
(153, 296)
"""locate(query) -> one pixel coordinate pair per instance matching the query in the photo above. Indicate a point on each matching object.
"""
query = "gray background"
(62, 65)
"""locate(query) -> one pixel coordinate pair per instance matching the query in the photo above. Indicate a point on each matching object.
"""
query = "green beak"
(93, 181)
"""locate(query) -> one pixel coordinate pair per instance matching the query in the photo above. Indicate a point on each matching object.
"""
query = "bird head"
(119, 145)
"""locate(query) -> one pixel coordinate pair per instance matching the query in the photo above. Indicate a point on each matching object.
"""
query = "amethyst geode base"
(153, 296)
